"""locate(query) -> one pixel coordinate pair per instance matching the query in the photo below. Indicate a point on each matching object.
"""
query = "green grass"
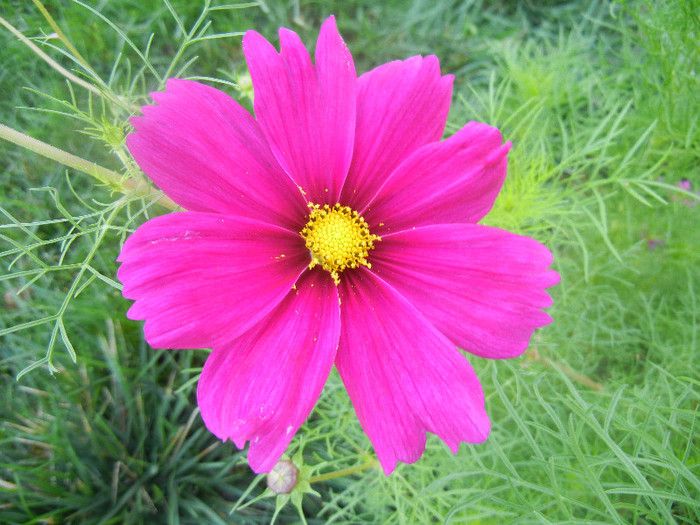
(597, 423)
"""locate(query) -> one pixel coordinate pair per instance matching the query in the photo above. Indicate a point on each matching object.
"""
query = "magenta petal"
(403, 376)
(401, 106)
(306, 111)
(455, 180)
(208, 154)
(200, 278)
(482, 287)
(261, 386)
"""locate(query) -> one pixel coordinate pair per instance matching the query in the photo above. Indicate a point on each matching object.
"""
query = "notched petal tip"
(497, 155)
(329, 32)
(551, 278)
(331, 47)
(252, 37)
(290, 40)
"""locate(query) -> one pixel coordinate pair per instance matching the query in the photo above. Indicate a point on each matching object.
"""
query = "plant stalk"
(113, 179)
(343, 472)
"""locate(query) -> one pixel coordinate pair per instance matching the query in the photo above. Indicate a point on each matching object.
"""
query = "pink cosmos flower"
(337, 228)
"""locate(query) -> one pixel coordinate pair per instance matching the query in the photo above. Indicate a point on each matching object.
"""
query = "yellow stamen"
(338, 238)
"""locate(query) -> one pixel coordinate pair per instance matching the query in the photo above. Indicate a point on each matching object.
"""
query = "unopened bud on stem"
(283, 477)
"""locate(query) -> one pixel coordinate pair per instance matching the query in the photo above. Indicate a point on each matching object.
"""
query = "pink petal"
(307, 112)
(208, 154)
(261, 386)
(403, 376)
(480, 286)
(200, 278)
(401, 106)
(455, 180)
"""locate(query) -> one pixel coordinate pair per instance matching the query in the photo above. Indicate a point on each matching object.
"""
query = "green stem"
(113, 179)
(62, 70)
(61, 35)
(344, 472)
(50, 61)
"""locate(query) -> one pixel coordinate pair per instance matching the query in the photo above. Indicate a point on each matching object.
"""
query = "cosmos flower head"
(334, 227)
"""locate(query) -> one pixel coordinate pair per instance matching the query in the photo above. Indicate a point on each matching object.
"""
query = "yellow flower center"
(338, 238)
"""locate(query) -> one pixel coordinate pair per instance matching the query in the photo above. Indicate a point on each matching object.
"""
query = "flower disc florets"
(338, 238)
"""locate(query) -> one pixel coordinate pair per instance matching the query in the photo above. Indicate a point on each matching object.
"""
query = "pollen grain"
(338, 238)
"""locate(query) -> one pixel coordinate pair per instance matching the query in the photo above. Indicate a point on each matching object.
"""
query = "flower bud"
(283, 477)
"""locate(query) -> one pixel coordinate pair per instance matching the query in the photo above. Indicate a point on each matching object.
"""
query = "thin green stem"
(50, 61)
(61, 35)
(62, 70)
(113, 179)
(344, 472)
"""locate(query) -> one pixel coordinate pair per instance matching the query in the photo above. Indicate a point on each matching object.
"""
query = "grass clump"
(595, 424)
